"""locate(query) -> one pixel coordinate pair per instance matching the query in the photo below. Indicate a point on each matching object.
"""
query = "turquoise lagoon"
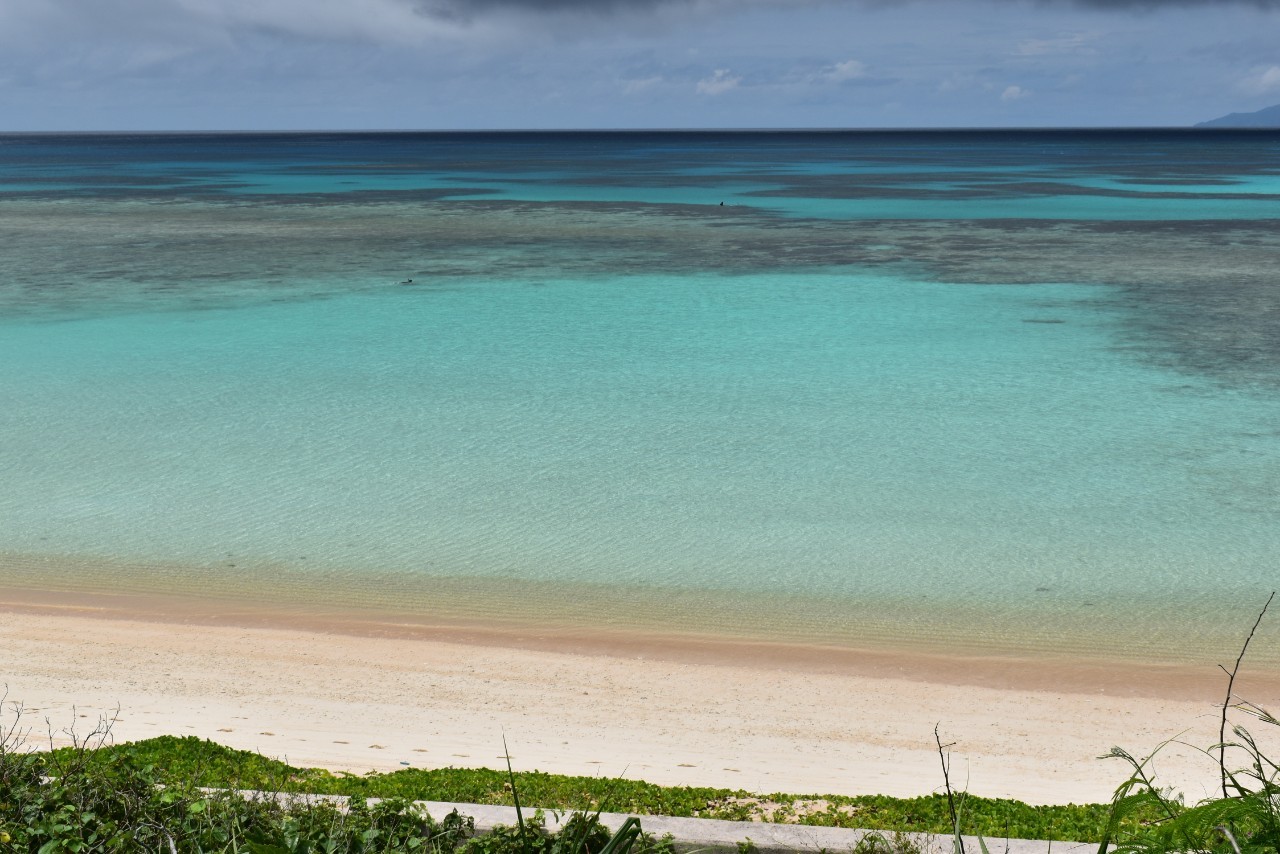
(1003, 392)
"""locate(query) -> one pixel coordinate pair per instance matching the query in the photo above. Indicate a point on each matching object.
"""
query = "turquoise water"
(910, 419)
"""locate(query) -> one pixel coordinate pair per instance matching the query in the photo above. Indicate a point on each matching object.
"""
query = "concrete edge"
(716, 835)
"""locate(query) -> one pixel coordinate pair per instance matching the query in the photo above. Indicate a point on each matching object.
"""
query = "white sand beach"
(665, 713)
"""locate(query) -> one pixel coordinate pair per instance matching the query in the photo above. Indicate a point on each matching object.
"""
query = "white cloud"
(1066, 43)
(1263, 81)
(633, 87)
(850, 69)
(1014, 93)
(836, 72)
(718, 83)
(958, 82)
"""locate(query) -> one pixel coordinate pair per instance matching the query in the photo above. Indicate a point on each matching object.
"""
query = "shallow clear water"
(1046, 425)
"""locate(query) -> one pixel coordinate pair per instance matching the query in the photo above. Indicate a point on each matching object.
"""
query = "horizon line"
(885, 129)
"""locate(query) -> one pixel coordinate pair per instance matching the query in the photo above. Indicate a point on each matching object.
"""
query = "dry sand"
(673, 711)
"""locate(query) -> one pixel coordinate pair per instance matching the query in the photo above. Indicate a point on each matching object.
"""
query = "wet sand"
(767, 717)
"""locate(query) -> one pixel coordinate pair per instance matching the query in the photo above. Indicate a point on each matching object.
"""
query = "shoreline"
(1165, 630)
(1002, 670)
(671, 710)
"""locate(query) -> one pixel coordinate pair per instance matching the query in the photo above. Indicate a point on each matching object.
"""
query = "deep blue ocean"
(1007, 391)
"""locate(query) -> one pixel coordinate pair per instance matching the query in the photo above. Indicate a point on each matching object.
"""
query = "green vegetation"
(1244, 820)
(112, 799)
(195, 762)
(138, 796)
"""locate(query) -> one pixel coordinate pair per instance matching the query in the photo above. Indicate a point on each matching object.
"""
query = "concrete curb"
(715, 835)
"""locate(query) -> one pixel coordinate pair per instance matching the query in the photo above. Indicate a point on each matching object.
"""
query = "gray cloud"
(1144, 5)
(26, 23)
(86, 42)
(470, 9)
(582, 15)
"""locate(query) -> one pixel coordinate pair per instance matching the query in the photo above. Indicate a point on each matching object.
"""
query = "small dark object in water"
(407, 282)
(722, 204)
(1039, 320)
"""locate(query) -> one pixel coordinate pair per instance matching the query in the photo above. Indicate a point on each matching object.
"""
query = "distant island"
(1267, 117)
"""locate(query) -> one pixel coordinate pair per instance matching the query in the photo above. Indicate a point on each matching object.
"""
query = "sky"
(452, 64)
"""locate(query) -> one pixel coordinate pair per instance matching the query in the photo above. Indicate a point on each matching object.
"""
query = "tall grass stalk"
(1245, 819)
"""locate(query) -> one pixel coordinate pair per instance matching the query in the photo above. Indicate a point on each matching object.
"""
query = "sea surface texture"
(1015, 392)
